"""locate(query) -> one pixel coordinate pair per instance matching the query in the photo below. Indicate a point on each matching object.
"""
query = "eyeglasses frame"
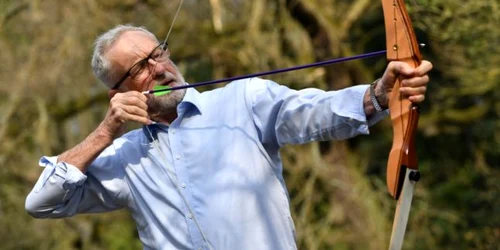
(150, 56)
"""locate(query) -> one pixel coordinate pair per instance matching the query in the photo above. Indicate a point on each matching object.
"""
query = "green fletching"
(159, 93)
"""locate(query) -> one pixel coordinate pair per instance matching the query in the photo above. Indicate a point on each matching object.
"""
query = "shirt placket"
(175, 140)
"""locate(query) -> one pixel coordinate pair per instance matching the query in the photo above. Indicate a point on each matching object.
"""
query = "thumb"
(394, 71)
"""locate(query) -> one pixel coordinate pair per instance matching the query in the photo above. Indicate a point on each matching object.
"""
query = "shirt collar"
(191, 99)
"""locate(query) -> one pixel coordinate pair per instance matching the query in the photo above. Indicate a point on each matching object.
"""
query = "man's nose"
(156, 68)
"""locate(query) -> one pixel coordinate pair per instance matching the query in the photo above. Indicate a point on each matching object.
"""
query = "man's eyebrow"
(139, 52)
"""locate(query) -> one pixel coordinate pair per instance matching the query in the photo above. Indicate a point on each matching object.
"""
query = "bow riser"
(402, 46)
(403, 154)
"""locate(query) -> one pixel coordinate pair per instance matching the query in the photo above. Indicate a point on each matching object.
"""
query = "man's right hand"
(125, 107)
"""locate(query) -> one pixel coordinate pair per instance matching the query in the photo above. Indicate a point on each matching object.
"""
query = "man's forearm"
(85, 152)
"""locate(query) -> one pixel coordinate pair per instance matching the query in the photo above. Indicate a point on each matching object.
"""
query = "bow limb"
(402, 167)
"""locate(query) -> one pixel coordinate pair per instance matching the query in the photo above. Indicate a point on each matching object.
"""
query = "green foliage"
(50, 101)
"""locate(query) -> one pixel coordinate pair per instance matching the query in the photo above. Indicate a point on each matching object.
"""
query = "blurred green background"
(50, 101)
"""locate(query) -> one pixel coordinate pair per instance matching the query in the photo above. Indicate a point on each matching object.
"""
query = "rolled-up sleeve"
(62, 190)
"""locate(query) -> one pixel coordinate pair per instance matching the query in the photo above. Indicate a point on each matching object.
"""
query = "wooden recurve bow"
(402, 166)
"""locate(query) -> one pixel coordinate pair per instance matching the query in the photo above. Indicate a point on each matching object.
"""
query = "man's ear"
(112, 92)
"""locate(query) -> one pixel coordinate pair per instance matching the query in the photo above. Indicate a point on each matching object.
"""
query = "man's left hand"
(413, 85)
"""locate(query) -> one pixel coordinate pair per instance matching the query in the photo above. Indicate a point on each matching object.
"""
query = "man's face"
(131, 48)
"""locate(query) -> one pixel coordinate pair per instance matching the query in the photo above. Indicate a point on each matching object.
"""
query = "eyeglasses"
(160, 54)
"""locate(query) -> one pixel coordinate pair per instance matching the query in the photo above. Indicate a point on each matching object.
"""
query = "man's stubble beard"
(164, 107)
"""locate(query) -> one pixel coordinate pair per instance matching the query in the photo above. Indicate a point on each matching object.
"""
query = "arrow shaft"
(316, 64)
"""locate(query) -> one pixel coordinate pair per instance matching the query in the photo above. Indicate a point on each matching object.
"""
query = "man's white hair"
(100, 64)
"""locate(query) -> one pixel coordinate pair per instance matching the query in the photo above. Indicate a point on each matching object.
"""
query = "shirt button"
(183, 185)
(177, 157)
(172, 131)
(190, 216)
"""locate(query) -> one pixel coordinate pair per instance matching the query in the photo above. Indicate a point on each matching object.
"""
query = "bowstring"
(173, 21)
(171, 26)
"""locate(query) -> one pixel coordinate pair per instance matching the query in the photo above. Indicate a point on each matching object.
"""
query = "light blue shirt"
(222, 155)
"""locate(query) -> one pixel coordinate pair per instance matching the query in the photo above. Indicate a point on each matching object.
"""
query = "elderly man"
(204, 172)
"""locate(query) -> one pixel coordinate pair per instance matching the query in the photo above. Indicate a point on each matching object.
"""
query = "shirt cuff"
(354, 109)
(69, 175)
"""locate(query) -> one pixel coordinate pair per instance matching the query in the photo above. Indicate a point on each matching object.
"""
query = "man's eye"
(156, 55)
(138, 69)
